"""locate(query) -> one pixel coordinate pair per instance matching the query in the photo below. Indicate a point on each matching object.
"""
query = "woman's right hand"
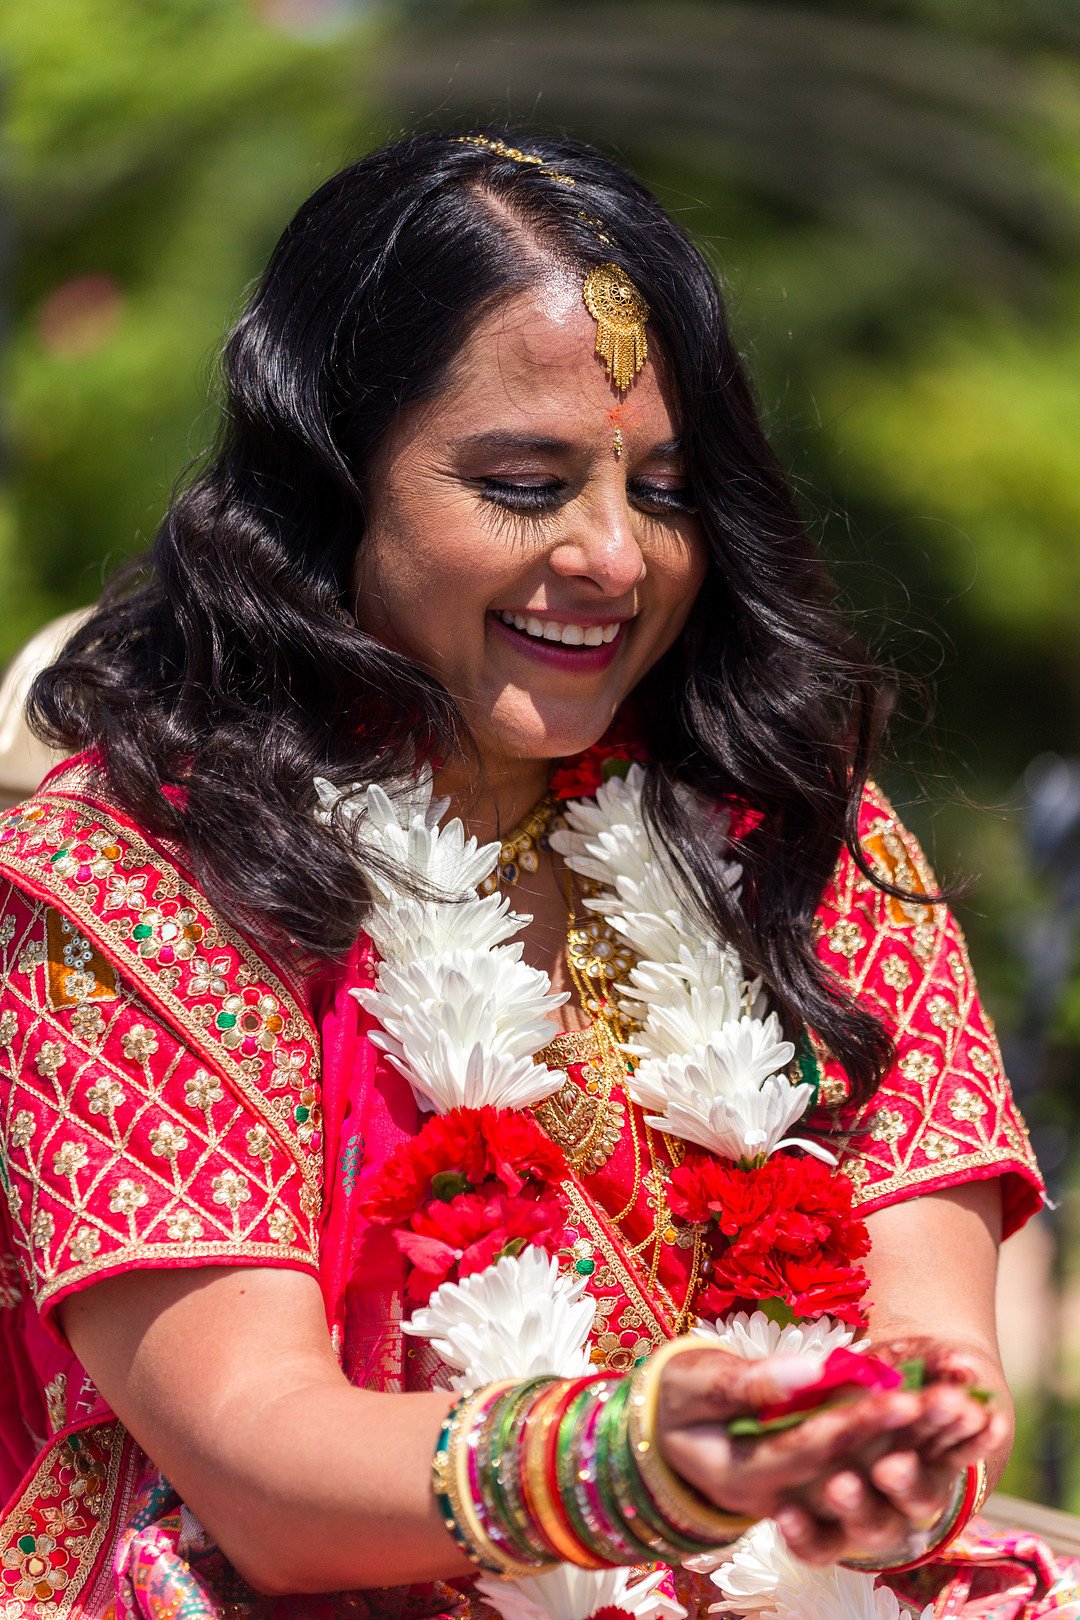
(857, 1479)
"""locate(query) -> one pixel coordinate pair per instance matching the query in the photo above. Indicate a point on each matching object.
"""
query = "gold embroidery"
(949, 1068)
(147, 1209)
(587, 1123)
(162, 931)
(56, 1401)
(76, 972)
(52, 1535)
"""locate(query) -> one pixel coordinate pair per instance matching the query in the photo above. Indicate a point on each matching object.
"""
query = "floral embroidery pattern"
(249, 1022)
(104, 1096)
(945, 1110)
(167, 933)
(154, 1153)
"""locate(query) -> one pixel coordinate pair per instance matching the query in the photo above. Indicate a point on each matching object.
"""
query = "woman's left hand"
(909, 1485)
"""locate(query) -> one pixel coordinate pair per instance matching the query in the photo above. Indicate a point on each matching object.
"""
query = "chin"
(555, 737)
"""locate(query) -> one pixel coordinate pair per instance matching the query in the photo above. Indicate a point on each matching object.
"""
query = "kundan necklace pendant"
(521, 849)
(620, 314)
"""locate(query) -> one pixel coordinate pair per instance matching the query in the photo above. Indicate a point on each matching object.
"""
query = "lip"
(552, 654)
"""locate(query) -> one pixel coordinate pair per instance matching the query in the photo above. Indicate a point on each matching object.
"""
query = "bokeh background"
(891, 194)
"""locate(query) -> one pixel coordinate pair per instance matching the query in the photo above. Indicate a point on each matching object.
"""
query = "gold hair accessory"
(620, 314)
(516, 155)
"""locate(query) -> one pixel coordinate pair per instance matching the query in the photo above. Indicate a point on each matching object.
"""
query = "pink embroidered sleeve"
(944, 1114)
(119, 1147)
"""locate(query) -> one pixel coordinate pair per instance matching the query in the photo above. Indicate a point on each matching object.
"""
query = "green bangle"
(607, 1481)
(648, 1522)
(504, 1473)
(567, 1463)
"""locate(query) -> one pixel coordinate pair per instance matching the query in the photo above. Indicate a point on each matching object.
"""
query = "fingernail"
(794, 1372)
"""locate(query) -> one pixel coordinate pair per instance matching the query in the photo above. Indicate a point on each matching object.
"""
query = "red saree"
(169, 1096)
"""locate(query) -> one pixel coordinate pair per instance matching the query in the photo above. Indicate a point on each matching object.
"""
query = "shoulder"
(148, 1049)
(944, 1113)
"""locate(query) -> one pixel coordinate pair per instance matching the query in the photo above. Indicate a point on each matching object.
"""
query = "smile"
(570, 635)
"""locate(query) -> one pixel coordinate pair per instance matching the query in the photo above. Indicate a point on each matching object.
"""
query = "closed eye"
(661, 498)
(522, 497)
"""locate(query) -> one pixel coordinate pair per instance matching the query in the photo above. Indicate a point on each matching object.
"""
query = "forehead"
(533, 356)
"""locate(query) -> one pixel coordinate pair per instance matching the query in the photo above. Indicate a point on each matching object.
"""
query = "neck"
(492, 798)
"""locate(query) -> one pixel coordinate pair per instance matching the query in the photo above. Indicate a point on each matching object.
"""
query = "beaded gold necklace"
(521, 849)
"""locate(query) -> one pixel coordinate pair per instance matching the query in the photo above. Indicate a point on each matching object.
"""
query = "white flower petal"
(755, 1336)
(519, 1318)
(570, 1593)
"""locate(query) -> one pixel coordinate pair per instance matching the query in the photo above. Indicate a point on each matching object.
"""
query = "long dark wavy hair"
(229, 665)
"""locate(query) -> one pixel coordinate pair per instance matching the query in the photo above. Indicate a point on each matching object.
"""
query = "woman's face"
(511, 553)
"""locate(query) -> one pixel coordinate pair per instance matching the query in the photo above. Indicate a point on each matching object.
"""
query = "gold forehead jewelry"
(515, 155)
(620, 314)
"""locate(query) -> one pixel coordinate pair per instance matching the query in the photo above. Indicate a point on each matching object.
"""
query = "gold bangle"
(687, 1510)
(459, 1492)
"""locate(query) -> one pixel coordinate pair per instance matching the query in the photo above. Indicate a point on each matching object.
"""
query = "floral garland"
(474, 1200)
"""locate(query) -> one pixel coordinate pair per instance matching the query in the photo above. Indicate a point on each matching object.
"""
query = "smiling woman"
(366, 1235)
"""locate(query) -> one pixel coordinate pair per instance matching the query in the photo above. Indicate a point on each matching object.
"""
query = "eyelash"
(535, 499)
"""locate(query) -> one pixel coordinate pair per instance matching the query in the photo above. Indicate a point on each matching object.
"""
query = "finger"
(865, 1518)
(920, 1494)
(813, 1540)
(712, 1384)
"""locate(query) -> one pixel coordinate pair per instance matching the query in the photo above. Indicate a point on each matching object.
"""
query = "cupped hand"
(853, 1481)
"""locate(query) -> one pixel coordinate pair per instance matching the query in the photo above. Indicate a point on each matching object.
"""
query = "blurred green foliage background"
(891, 192)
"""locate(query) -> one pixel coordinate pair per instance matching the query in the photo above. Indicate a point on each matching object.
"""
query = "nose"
(603, 547)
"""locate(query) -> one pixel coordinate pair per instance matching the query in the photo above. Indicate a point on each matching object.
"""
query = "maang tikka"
(620, 314)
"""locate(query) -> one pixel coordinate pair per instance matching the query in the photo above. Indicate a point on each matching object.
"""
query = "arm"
(225, 1376)
(933, 1267)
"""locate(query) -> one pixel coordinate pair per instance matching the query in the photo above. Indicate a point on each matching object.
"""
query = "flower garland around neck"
(475, 1199)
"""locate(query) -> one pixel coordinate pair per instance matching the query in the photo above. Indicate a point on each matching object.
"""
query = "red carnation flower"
(458, 1152)
(785, 1230)
(447, 1241)
(519, 1152)
(579, 776)
(450, 1144)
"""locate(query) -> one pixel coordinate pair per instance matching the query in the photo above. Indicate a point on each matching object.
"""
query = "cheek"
(680, 576)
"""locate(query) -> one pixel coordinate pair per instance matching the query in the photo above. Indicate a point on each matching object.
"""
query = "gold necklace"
(521, 849)
(598, 959)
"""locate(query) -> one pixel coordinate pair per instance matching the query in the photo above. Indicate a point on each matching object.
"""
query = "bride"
(463, 999)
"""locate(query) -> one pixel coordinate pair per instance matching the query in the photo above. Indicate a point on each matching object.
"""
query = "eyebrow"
(499, 441)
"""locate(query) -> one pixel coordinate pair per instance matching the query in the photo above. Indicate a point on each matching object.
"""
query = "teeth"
(570, 635)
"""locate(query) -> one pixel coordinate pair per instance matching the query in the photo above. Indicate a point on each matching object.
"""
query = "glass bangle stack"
(566, 1470)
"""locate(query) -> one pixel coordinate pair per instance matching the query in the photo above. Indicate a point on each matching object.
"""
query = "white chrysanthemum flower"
(462, 1027)
(762, 1576)
(727, 1096)
(408, 799)
(756, 1568)
(519, 1318)
(570, 1593)
(755, 1336)
(752, 1125)
(686, 1017)
(405, 929)
(404, 832)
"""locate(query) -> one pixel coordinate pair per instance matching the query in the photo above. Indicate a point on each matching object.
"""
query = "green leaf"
(448, 1184)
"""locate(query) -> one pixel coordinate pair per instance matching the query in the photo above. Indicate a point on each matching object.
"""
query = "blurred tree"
(890, 190)
(153, 153)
